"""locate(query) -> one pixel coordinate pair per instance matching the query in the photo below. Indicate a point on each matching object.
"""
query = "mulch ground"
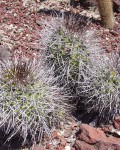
(18, 28)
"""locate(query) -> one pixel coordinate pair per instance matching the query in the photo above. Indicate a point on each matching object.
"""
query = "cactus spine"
(106, 13)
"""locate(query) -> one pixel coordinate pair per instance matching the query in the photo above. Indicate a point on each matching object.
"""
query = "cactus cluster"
(34, 93)
(81, 63)
(30, 101)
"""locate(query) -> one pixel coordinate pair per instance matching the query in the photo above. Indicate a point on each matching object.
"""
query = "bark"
(106, 13)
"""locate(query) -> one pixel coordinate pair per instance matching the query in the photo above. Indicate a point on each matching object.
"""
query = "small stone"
(61, 132)
(55, 134)
(55, 142)
(62, 125)
(15, 14)
(70, 140)
(48, 146)
(67, 147)
(63, 141)
(41, 7)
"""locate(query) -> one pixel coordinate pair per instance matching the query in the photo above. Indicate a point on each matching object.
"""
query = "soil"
(19, 30)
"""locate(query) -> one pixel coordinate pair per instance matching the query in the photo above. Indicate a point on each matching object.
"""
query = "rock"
(61, 132)
(91, 138)
(81, 145)
(116, 123)
(49, 146)
(106, 146)
(90, 134)
(70, 139)
(55, 134)
(55, 142)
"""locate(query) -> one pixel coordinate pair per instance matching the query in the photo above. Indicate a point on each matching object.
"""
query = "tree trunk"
(106, 13)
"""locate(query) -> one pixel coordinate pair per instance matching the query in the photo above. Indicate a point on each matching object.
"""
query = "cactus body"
(27, 98)
(100, 87)
(106, 12)
(64, 46)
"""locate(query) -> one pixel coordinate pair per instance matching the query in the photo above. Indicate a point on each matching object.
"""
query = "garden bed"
(20, 27)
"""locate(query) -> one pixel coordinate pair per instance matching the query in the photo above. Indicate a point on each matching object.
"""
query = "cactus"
(99, 84)
(106, 13)
(29, 99)
(64, 46)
